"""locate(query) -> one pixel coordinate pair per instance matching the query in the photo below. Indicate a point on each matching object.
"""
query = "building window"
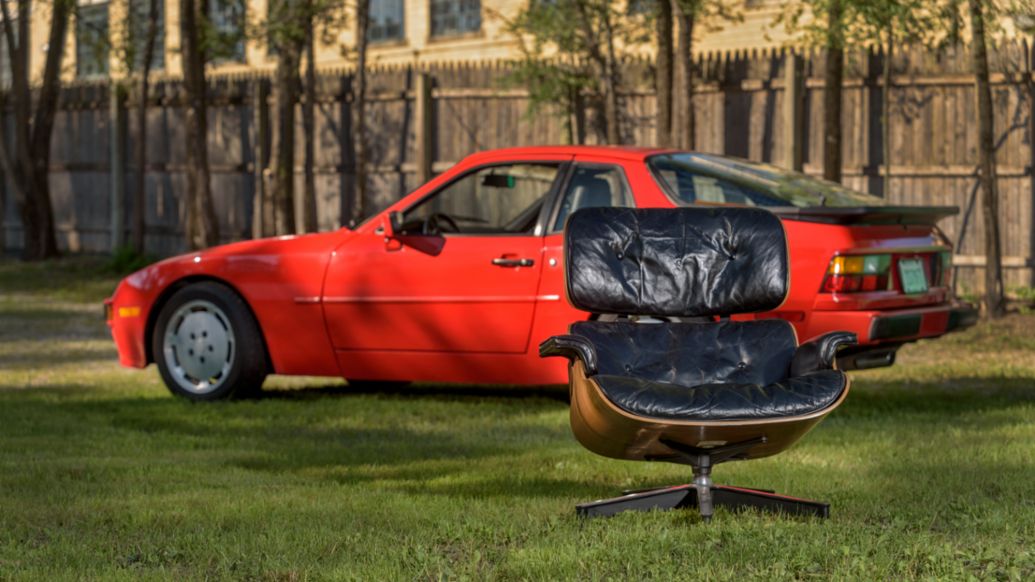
(227, 18)
(455, 17)
(91, 39)
(139, 12)
(386, 20)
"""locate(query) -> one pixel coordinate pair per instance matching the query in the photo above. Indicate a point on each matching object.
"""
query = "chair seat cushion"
(791, 397)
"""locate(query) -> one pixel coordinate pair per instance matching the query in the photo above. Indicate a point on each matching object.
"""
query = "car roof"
(618, 152)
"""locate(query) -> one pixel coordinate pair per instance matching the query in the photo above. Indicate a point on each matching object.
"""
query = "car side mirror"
(394, 223)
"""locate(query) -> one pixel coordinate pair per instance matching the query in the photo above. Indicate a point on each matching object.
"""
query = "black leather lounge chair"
(697, 388)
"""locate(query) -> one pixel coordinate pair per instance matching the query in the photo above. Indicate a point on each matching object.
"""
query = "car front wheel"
(208, 345)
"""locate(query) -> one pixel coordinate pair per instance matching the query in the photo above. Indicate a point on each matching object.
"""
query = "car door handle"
(502, 262)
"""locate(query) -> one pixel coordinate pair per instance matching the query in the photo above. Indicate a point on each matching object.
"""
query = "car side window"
(499, 199)
(692, 188)
(592, 186)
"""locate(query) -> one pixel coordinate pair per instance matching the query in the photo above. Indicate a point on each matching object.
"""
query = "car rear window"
(691, 178)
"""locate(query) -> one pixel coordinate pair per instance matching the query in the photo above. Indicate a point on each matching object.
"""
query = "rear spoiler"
(873, 215)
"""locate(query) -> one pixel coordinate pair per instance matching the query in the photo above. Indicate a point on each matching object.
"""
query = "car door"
(460, 275)
(590, 183)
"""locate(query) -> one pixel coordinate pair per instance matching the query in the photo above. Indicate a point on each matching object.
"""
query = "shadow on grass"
(443, 392)
(960, 395)
(28, 358)
(330, 433)
(467, 441)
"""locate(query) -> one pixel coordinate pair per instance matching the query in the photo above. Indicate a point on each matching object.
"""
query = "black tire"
(209, 320)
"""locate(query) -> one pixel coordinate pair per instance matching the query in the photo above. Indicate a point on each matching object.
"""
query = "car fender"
(279, 278)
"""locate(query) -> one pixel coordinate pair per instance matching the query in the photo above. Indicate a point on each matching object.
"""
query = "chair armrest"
(571, 347)
(819, 353)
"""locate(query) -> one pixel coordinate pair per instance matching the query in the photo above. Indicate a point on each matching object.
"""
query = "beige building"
(402, 32)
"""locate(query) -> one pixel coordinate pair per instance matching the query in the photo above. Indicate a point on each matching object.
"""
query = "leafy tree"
(569, 46)
(27, 160)
(664, 28)
(199, 42)
(980, 11)
(824, 23)
(290, 29)
(137, 51)
(688, 15)
(888, 23)
(149, 36)
(287, 36)
(832, 23)
(358, 109)
(134, 43)
(310, 220)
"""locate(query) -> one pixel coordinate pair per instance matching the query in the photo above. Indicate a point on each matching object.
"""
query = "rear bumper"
(896, 326)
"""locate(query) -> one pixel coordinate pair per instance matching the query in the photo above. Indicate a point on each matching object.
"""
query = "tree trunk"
(994, 302)
(885, 130)
(578, 116)
(43, 127)
(13, 166)
(285, 96)
(139, 219)
(605, 69)
(834, 79)
(663, 77)
(310, 222)
(612, 109)
(29, 168)
(202, 228)
(359, 103)
(685, 134)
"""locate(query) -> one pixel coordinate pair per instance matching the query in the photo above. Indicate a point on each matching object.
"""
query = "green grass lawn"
(929, 466)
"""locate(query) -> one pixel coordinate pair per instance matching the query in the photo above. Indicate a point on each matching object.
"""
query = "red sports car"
(460, 280)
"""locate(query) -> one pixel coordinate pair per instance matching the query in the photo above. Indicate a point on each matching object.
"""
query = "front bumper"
(896, 326)
(127, 323)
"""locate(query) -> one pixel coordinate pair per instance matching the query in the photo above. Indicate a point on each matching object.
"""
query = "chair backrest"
(680, 262)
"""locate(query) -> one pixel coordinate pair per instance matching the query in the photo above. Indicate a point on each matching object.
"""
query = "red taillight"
(873, 282)
(868, 273)
(857, 273)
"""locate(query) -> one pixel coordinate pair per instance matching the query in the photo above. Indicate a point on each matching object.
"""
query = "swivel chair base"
(686, 496)
(702, 493)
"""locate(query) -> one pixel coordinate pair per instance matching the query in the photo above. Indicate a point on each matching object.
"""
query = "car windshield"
(692, 178)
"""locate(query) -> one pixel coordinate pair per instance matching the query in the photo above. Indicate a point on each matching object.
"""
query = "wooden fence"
(754, 105)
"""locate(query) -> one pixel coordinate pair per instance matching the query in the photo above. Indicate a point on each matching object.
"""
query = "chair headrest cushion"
(680, 262)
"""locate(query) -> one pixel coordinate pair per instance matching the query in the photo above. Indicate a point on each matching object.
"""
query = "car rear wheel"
(208, 345)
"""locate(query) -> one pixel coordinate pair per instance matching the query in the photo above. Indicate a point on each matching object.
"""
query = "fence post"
(794, 111)
(423, 124)
(117, 163)
(1029, 80)
(261, 111)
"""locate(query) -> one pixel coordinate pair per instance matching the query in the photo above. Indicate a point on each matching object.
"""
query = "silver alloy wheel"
(199, 346)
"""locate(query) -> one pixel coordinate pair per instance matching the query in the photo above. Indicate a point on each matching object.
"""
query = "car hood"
(266, 255)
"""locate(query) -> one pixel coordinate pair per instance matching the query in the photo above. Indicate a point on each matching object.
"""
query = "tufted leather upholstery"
(706, 371)
(754, 352)
(691, 262)
(725, 401)
(675, 262)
